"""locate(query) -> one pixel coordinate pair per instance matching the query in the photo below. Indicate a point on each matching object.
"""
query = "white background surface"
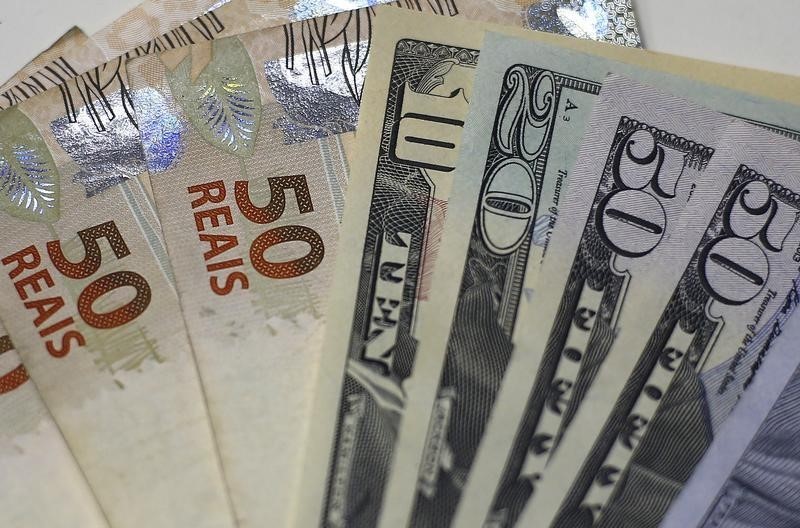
(762, 34)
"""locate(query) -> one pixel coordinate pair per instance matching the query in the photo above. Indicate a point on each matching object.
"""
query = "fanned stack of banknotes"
(339, 264)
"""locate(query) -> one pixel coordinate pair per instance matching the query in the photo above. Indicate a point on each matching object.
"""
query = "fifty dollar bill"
(666, 386)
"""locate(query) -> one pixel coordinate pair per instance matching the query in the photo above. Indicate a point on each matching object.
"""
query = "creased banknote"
(42, 484)
(666, 387)
(90, 302)
(748, 476)
(501, 217)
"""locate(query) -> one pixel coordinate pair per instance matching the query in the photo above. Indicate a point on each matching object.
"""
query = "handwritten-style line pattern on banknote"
(320, 81)
(584, 328)
(607, 20)
(204, 28)
(504, 229)
(424, 91)
(660, 426)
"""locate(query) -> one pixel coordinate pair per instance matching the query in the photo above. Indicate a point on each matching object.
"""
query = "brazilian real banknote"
(748, 476)
(160, 25)
(42, 483)
(523, 130)
(73, 170)
(156, 26)
(90, 302)
(260, 122)
(245, 139)
(665, 388)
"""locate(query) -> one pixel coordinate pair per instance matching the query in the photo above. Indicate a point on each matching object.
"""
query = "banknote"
(42, 483)
(748, 474)
(453, 372)
(248, 169)
(414, 106)
(156, 26)
(90, 302)
(665, 390)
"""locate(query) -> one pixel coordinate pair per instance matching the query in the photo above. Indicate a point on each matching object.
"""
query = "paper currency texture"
(675, 380)
(42, 483)
(90, 303)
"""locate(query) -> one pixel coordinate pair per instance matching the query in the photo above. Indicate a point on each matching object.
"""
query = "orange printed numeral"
(89, 265)
(273, 211)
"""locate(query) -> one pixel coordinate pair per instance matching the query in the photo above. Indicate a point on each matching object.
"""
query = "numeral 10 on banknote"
(31, 278)
(219, 243)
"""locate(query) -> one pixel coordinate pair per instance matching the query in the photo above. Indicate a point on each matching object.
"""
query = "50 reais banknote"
(89, 302)
(42, 483)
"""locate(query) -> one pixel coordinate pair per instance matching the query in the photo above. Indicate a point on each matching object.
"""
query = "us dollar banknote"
(88, 300)
(656, 407)
(411, 121)
(748, 475)
(455, 384)
(376, 375)
(42, 483)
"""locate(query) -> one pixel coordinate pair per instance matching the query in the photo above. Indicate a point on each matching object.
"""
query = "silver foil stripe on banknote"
(602, 20)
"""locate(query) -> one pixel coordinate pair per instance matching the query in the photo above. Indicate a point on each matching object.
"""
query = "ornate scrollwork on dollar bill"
(662, 422)
(427, 103)
(530, 103)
